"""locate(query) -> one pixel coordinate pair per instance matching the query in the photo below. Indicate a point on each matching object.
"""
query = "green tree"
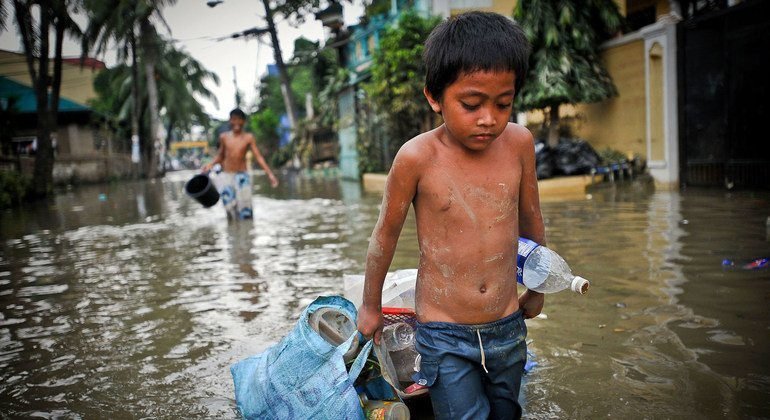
(398, 78)
(39, 21)
(565, 66)
(129, 23)
(311, 69)
(180, 79)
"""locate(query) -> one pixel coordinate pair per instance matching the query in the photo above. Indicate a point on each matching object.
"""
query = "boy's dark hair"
(470, 42)
(237, 112)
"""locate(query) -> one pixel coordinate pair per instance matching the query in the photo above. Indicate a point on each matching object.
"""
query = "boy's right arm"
(400, 190)
(220, 156)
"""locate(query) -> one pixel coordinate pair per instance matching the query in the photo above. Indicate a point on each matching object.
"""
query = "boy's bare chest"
(236, 145)
(470, 191)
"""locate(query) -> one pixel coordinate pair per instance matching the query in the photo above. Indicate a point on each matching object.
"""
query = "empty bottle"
(398, 336)
(384, 410)
(542, 270)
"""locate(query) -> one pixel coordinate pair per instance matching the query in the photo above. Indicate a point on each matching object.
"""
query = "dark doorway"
(724, 97)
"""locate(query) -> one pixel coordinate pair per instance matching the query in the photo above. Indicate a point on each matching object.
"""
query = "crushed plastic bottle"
(398, 336)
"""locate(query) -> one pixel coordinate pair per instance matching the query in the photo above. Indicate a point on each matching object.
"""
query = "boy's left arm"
(530, 219)
(262, 163)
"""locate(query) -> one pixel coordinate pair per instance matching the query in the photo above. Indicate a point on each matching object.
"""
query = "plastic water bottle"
(398, 336)
(542, 270)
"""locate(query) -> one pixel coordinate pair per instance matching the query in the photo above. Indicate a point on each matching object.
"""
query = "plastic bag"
(302, 376)
(575, 157)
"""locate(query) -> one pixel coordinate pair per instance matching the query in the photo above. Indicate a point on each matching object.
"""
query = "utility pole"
(288, 102)
(237, 92)
(283, 75)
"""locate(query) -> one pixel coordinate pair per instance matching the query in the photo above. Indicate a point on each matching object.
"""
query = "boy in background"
(473, 186)
(234, 182)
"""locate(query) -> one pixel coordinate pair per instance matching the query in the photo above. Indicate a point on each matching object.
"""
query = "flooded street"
(135, 303)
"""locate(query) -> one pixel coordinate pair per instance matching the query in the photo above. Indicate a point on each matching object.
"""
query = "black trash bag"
(575, 157)
(543, 159)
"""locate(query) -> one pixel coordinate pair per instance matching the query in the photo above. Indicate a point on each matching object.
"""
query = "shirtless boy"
(473, 186)
(234, 183)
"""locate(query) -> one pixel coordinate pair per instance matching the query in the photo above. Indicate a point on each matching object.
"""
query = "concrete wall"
(70, 170)
(84, 153)
(619, 122)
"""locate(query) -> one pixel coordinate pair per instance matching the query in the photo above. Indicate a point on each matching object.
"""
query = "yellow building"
(85, 149)
(76, 84)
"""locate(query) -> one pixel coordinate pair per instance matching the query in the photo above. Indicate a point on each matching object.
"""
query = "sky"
(197, 28)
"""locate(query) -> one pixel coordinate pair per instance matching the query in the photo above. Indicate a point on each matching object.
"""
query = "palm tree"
(52, 17)
(181, 78)
(565, 67)
(181, 81)
(130, 24)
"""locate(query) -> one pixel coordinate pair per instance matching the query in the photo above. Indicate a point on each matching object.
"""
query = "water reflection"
(136, 305)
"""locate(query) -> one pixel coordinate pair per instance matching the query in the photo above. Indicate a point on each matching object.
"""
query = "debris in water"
(752, 265)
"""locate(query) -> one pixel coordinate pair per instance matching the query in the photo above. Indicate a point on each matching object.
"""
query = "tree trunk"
(553, 126)
(291, 110)
(148, 40)
(42, 180)
(48, 119)
(136, 111)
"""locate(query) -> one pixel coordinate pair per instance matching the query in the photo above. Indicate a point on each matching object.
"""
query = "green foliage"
(328, 97)
(14, 188)
(398, 78)
(264, 125)
(610, 155)
(376, 7)
(565, 66)
(180, 79)
(312, 70)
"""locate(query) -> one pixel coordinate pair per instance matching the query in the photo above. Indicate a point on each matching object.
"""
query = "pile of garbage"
(569, 157)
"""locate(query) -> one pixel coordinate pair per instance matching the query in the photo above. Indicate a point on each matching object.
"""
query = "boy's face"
(236, 123)
(476, 107)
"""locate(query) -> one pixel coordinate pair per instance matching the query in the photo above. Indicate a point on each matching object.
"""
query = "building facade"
(86, 150)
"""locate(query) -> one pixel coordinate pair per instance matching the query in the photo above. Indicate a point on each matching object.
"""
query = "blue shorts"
(473, 371)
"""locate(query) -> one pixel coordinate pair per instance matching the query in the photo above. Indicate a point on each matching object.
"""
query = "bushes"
(14, 188)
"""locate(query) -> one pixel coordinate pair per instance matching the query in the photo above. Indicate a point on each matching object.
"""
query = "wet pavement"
(134, 304)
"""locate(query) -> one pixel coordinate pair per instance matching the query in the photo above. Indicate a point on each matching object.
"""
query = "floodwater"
(134, 304)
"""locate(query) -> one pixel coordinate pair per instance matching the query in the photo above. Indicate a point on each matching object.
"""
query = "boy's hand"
(273, 180)
(206, 168)
(370, 323)
(532, 303)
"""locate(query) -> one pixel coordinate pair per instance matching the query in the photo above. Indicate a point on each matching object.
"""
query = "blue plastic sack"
(302, 376)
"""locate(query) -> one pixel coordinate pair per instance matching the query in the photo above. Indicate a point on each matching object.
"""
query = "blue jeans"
(473, 371)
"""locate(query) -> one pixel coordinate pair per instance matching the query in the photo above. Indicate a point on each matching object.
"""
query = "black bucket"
(202, 189)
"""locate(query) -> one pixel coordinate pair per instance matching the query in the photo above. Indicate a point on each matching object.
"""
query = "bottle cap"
(580, 285)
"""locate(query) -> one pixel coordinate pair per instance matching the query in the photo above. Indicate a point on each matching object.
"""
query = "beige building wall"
(619, 122)
(76, 84)
(506, 7)
(455, 7)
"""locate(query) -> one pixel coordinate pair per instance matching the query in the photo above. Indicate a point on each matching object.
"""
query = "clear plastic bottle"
(542, 270)
(398, 336)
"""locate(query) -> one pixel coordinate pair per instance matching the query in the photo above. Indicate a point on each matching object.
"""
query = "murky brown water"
(135, 306)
